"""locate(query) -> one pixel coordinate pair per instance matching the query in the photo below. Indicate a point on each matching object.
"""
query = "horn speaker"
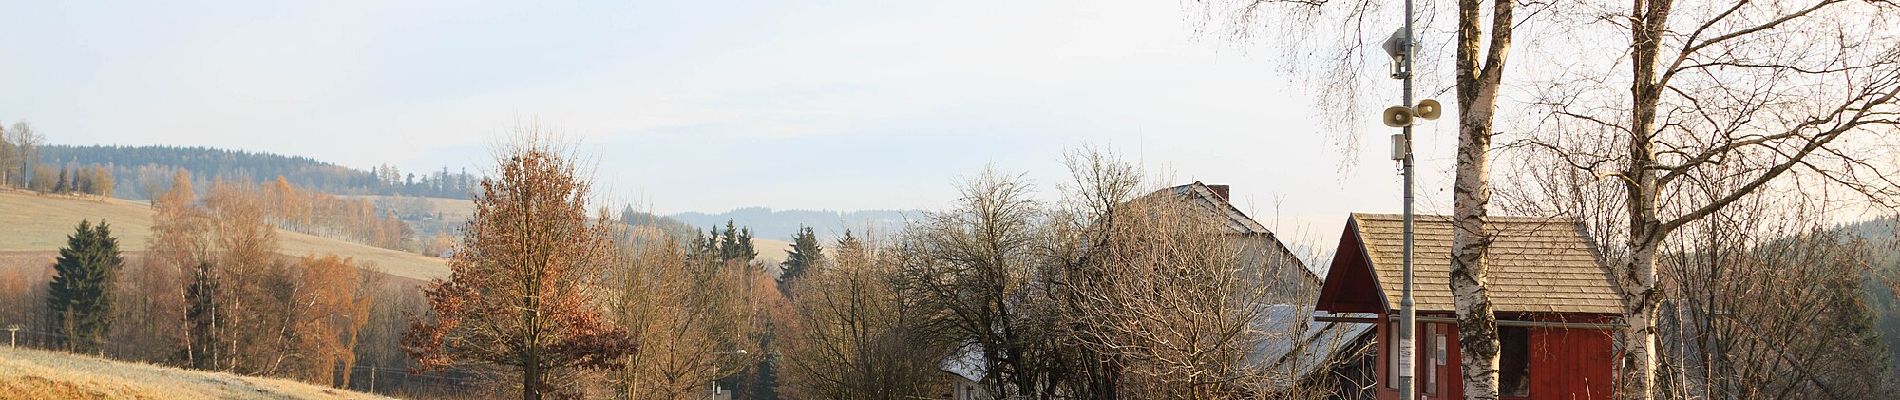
(1397, 116)
(1428, 109)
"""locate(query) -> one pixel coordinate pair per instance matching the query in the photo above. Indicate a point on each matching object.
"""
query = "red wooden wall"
(1571, 363)
(1565, 364)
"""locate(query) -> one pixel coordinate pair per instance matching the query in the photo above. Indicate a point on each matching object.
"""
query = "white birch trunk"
(1477, 89)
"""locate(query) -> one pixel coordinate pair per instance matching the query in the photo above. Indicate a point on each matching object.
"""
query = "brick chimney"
(1219, 191)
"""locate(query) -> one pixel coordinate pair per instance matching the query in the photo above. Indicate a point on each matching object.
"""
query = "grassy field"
(771, 252)
(31, 223)
(451, 209)
(34, 374)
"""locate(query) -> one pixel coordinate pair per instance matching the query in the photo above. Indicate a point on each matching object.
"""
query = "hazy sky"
(707, 105)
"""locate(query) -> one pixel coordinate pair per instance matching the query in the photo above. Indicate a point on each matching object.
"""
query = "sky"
(714, 105)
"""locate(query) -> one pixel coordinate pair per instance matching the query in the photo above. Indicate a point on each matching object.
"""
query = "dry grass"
(451, 209)
(34, 374)
(772, 252)
(40, 223)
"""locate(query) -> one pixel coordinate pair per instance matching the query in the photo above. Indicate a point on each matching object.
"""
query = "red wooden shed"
(1552, 295)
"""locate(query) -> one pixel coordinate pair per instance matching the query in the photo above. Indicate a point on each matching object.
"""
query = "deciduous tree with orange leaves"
(521, 284)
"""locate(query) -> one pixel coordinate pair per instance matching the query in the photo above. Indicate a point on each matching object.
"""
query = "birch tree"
(1481, 50)
(1760, 92)
(1477, 87)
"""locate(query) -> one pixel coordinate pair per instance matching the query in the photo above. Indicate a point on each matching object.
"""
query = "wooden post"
(372, 378)
(13, 336)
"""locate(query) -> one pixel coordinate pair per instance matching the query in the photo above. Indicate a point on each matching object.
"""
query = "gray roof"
(1318, 343)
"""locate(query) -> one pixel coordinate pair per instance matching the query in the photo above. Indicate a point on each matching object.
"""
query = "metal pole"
(1407, 351)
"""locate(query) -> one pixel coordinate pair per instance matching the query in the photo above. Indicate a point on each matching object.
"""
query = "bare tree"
(973, 270)
(1481, 49)
(853, 336)
(1765, 302)
(25, 157)
(1169, 300)
(687, 318)
(8, 152)
(1750, 93)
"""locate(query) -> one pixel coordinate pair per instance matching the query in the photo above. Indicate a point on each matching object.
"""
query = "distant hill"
(39, 224)
(35, 374)
(432, 215)
(137, 169)
(782, 224)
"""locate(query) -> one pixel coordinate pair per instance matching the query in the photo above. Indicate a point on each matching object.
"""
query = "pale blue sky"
(704, 105)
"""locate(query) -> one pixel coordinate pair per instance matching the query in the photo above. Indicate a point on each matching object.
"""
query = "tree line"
(1106, 293)
(1109, 293)
(149, 168)
(212, 291)
(21, 150)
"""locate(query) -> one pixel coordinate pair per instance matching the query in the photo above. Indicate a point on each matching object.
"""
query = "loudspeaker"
(1397, 116)
(1428, 109)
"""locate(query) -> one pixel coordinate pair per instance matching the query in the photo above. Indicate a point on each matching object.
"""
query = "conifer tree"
(743, 246)
(62, 185)
(799, 260)
(80, 293)
(203, 319)
(729, 244)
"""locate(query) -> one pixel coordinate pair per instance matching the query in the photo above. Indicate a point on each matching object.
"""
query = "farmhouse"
(1297, 351)
(1552, 294)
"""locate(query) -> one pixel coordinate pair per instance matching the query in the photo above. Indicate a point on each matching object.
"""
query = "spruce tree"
(80, 294)
(728, 245)
(203, 319)
(705, 247)
(744, 250)
(798, 261)
(62, 186)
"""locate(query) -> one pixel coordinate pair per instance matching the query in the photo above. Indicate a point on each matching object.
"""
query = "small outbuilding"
(1553, 299)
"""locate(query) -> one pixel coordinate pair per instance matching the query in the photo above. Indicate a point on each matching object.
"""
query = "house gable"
(1350, 286)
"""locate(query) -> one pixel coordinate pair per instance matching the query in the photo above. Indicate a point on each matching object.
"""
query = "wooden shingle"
(1536, 264)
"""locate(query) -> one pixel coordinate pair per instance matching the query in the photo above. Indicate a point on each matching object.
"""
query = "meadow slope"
(33, 223)
(34, 374)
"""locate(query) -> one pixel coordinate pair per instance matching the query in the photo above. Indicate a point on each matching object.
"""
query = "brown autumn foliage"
(244, 254)
(688, 317)
(324, 214)
(296, 319)
(321, 306)
(521, 288)
(23, 290)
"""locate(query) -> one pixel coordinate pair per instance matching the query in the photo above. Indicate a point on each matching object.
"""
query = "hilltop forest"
(149, 167)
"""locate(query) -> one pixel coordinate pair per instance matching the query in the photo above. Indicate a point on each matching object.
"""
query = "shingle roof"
(1535, 264)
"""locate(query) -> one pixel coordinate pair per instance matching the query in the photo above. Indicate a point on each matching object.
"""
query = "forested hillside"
(828, 224)
(141, 170)
(1883, 275)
